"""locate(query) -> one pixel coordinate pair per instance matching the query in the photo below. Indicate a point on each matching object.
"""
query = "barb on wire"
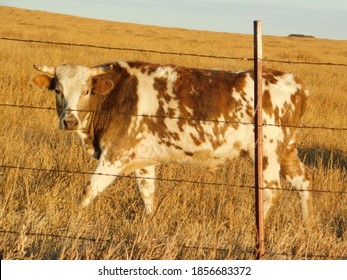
(178, 118)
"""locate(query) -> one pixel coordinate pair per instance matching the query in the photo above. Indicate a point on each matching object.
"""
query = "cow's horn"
(45, 69)
(101, 70)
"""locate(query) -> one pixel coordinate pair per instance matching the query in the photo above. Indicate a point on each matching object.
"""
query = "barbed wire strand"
(227, 251)
(168, 53)
(122, 49)
(123, 176)
(164, 179)
(177, 118)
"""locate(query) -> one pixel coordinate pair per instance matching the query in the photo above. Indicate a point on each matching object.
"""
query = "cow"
(133, 116)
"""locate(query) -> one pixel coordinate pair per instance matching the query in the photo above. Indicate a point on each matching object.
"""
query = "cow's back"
(209, 113)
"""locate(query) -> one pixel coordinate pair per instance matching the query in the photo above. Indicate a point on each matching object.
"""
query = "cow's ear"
(42, 81)
(102, 86)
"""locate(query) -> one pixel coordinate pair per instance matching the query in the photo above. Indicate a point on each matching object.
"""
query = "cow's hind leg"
(145, 178)
(271, 176)
(271, 169)
(299, 176)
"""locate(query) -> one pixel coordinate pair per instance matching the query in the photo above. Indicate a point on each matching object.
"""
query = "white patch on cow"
(249, 87)
(172, 125)
(72, 81)
(189, 110)
(148, 102)
(302, 185)
(273, 132)
(85, 120)
(83, 136)
(123, 64)
(243, 135)
(245, 98)
(172, 105)
(100, 180)
(267, 200)
(228, 152)
(298, 182)
(282, 91)
(88, 148)
(271, 173)
(292, 141)
(146, 185)
(163, 71)
(147, 96)
(171, 79)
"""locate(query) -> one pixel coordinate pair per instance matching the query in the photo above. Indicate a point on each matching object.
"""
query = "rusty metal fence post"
(258, 136)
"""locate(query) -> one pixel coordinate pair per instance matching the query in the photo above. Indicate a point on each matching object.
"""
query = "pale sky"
(319, 18)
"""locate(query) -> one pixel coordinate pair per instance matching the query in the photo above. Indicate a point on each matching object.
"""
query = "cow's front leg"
(145, 178)
(103, 176)
(88, 145)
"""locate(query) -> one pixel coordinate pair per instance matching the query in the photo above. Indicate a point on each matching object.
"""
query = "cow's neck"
(90, 143)
(91, 132)
(110, 115)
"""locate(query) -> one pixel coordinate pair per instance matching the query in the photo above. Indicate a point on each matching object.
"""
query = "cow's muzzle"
(70, 123)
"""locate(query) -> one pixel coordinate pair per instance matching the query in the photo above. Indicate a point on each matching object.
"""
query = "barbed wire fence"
(166, 52)
(225, 251)
(252, 251)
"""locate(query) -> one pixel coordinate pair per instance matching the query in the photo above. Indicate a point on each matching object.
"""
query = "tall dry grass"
(40, 208)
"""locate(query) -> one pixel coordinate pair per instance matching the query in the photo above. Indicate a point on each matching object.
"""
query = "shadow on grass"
(334, 159)
(330, 159)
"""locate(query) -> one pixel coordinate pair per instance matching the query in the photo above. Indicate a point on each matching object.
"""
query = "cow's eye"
(57, 91)
(86, 92)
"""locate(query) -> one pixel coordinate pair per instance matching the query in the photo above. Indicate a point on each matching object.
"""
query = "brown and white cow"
(132, 116)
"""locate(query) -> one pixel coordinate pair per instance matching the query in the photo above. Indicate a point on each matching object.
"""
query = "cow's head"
(74, 87)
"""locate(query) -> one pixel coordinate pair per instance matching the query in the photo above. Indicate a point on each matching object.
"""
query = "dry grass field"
(39, 218)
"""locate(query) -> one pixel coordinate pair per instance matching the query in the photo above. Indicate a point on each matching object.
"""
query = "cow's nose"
(70, 123)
